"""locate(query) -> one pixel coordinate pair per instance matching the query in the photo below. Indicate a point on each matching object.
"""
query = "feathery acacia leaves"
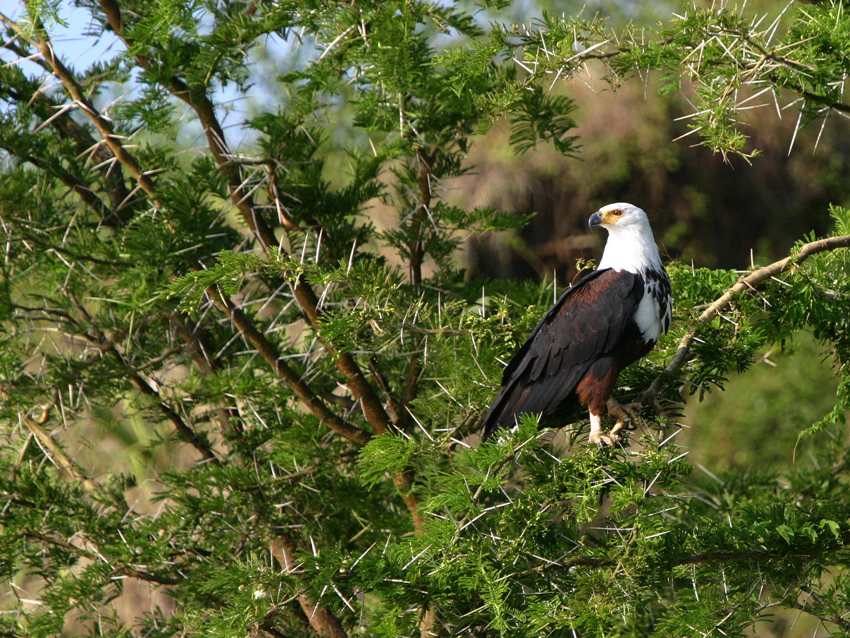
(297, 380)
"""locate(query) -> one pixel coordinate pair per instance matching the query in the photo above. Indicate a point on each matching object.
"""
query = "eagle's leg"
(596, 436)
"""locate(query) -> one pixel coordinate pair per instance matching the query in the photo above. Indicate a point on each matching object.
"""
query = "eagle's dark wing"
(587, 322)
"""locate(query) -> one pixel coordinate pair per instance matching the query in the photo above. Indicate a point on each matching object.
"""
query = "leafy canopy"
(223, 374)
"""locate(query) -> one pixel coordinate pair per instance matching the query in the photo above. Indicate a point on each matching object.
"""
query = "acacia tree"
(323, 374)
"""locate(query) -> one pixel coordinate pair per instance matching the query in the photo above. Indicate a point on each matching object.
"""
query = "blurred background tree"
(264, 260)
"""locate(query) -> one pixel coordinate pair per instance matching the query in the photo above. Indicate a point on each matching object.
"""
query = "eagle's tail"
(548, 398)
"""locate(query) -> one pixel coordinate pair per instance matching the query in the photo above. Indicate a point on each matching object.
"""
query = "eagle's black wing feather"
(587, 321)
(519, 355)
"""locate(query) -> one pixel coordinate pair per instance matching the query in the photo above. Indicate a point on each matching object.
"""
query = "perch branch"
(747, 282)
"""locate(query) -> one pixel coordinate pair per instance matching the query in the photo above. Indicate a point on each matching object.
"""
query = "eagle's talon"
(603, 440)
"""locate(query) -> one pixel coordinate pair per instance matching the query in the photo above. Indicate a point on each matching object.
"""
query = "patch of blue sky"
(78, 40)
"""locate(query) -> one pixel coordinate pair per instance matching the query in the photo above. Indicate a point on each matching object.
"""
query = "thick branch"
(323, 622)
(748, 282)
(361, 389)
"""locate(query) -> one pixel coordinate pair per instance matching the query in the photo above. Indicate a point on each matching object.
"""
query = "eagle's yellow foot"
(597, 437)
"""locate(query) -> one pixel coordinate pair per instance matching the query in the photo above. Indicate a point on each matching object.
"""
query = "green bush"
(322, 377)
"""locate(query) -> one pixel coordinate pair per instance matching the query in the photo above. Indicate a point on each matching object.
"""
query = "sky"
(79, 49)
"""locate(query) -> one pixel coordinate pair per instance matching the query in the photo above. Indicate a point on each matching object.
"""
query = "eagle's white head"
(631, 245)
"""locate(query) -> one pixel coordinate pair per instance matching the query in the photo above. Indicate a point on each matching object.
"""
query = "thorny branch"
(754, 555)
(323, 622)
(75, 91)
(56, 453)
(143, 385)
(126, 570)
(749, 281)
(26, 91)
(74, 473)
(305, 296)
(270, 355)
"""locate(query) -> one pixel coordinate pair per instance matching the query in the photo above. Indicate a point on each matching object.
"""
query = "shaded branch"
(86, 194)
(126, 570)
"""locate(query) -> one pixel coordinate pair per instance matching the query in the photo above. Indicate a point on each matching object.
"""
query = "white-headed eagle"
(610, 318)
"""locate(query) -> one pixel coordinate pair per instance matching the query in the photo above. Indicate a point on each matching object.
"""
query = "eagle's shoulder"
(588, 315)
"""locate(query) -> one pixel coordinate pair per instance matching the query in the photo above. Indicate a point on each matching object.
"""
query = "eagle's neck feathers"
(631, 248)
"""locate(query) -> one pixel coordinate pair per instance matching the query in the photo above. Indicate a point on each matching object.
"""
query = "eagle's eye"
(616, 213)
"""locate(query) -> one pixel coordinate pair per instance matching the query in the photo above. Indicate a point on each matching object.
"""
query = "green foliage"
(735, 61)
(301, 379)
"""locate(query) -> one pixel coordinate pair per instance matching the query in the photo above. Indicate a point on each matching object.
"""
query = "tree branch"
(747, 282)
(270, 355)
(323, 622)
(86, 194)
(199, 352)
(198, 100)
(184, 432)
(72, 472)
(125, 570)
(61, 460)
(705, 557)
(75, 91)
(28, 92)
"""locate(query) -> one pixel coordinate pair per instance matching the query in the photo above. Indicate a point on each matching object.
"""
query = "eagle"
(607, 320)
